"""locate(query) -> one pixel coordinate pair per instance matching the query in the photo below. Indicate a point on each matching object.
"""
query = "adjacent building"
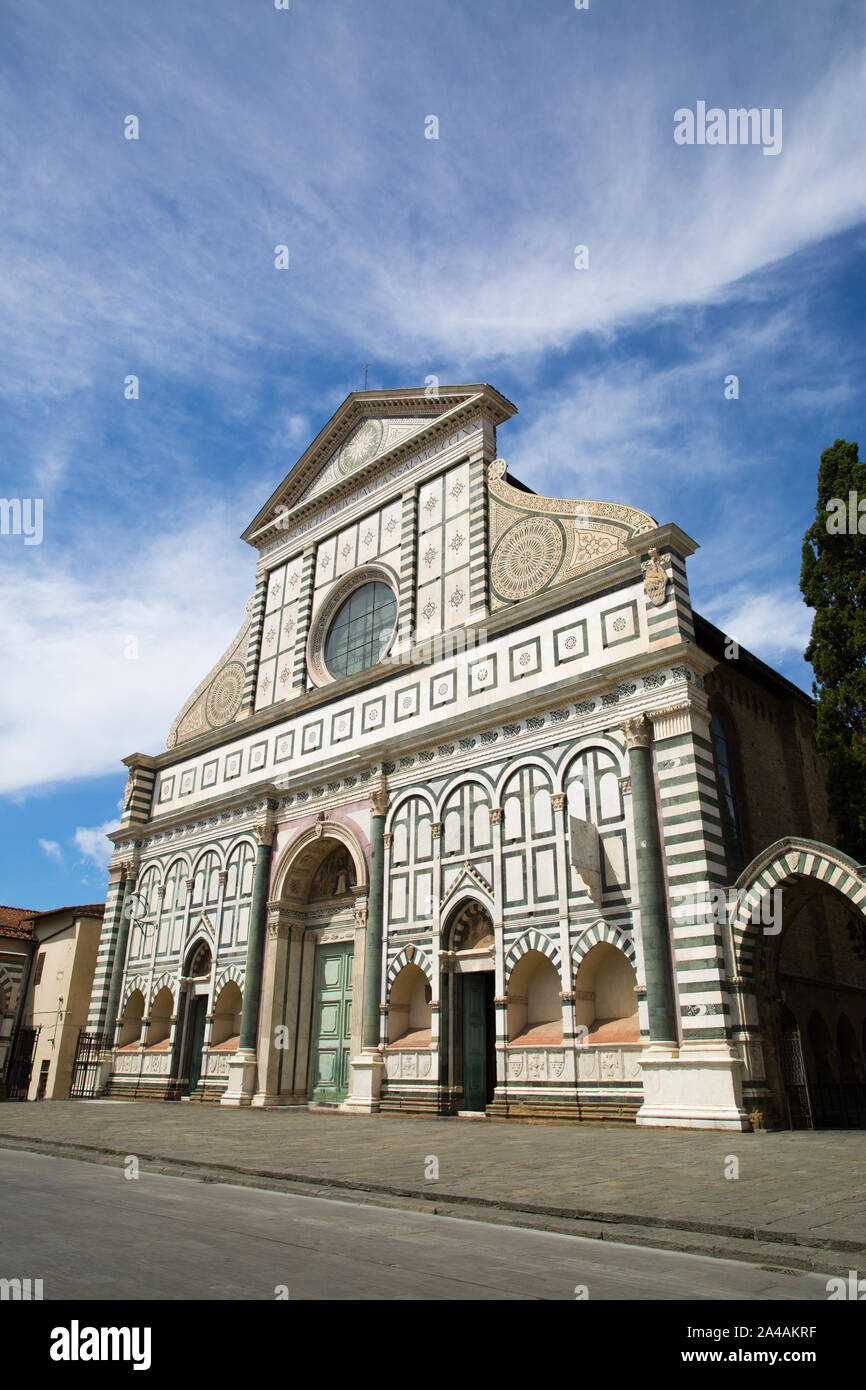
(47, 962)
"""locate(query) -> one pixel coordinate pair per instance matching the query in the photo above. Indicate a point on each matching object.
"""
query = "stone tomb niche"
(534, 1002)
(161, 1011)
(606, 998)
(226, 1028)
(131, 1022)
(409, 1009)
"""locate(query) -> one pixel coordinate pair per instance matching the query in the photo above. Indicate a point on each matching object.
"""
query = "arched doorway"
(311, 969)
(469, 960)
(195, 984)
(798, 925)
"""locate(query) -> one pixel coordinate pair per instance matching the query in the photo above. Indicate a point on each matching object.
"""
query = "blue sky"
(452, 257)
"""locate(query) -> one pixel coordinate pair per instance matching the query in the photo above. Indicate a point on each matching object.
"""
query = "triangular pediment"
(365, 432)
(369, 440)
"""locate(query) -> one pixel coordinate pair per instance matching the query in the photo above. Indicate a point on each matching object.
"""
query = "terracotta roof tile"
(17, 922)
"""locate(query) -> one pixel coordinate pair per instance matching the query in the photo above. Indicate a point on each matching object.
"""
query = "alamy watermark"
(22, 516)
(721, 905)
(736, 126)
(847, 518)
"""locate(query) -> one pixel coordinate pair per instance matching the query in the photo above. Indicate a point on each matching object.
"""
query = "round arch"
(595, 743)
(525, 761)
(475, 777)
(779, 866)
(308, 846)
(410, 794)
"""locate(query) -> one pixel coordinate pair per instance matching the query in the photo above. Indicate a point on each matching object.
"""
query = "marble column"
(369, 1065)
(661, 1007)
(242, 1067)
(119, 962)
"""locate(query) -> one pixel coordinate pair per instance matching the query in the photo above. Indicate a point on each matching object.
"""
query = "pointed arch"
(167, 980)
(135, 983)
(531, 940)
(401, 960)
(603, 932)
(233, 974)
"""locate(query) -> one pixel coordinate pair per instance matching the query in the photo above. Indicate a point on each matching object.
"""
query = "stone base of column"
(242, 1079)
(696, 1086)
(280, 1098)
(367, 1071)
(104, 1068)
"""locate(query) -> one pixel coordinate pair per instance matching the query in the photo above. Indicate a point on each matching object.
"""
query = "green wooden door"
(329, 1075)
(474, 1042)
(196, 1038)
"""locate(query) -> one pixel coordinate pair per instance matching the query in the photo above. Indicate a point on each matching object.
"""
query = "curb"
(773, 1250)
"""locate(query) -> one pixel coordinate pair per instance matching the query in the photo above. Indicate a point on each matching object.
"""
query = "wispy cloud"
(52, 850)
(100, 661)
(92, 843)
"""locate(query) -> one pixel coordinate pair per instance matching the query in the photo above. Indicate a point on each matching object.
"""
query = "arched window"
(593, 794)
(234, 924)
(410, 882)
(727, 804)
(528, 836)
(173, 911)
(145, 910)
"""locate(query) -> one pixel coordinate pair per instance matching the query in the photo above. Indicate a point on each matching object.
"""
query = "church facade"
(476, 816)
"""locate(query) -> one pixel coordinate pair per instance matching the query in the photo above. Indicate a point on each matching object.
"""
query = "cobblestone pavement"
(805, 1187)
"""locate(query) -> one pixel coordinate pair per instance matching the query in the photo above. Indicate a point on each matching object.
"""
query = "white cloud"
(92, 842)
(52, 849)
(71, 702)
(773, 623)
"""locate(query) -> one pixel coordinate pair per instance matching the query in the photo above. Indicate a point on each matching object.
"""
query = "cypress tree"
(833, 582)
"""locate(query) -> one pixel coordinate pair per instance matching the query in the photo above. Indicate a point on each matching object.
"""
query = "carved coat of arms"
(655, 581)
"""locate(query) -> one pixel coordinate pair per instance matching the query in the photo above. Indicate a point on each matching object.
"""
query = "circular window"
(361, 630)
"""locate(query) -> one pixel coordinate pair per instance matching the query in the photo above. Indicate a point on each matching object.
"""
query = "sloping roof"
(17, 922)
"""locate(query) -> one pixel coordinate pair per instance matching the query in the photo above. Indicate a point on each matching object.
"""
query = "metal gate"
(85, 1072)
(797, 1096)
(20, 1063)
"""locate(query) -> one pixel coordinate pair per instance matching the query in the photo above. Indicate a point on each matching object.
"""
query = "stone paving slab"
(794, 1188)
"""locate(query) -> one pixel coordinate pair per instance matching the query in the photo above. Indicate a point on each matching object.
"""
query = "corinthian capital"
(637, 732)
(379, 799)
(264, 831)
